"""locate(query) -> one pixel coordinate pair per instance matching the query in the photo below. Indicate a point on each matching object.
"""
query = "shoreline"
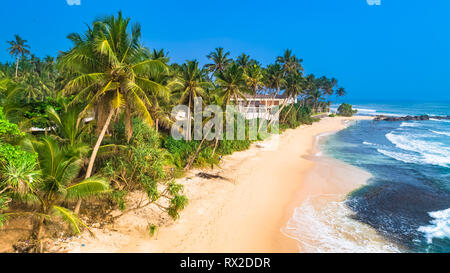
(244, 214)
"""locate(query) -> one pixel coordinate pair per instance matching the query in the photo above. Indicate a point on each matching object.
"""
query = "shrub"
(143, 166)
(346, 110)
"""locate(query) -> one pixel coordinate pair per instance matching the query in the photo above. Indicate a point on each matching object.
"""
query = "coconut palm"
(274, 78)
(290, 63)
(232, 83)
(58, 169)
(68, 130)
(191, 83)
(160, 55)
(111, 67)
(254, 78)
(244, 61)
(341, 92)
(220, 60)
(161, 100)
(294, 86)
(18, 49)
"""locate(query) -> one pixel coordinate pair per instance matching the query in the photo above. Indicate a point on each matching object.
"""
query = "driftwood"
(210, 176)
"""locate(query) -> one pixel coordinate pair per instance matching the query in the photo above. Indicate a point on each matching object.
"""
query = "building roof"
(264, 97)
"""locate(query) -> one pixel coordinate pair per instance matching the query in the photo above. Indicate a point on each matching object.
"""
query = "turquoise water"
(407, 201)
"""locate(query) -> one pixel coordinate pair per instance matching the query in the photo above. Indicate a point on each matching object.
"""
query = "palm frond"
(88, 187)
(71, 218)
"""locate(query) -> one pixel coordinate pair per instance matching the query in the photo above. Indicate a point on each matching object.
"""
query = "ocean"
(407, 200)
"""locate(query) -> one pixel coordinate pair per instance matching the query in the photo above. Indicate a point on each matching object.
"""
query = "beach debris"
(210, 176)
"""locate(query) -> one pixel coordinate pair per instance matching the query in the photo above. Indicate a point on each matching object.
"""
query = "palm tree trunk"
(17, 66)
(39, 227)
(284, 118)
(94, 153)
(128, 124)
(279, 111)
(215, 146)
(188, 129)
(156, 125)
(192, 159)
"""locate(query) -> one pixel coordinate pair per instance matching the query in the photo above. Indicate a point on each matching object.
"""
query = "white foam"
(441, 133)
(441, 120)
(407, 158)
(430, 152)
(366, 110)
(326, 226)
(409, 124)
(440, 226)
(369, 143)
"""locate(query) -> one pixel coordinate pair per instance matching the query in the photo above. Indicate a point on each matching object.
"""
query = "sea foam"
(440, 226)
(429, 152)
(321, 225)
(409, 124)
(441, 133)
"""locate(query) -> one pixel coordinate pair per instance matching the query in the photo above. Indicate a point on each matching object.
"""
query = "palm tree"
(49, 66)
(243, 60)
(294, 86)
(160, 98)
(191, 84)
(341, 92)
(18, 49)
(274, 78)
(11, 100)
(58, 169)
(220, 60)
(291, 64)
(68, 130)
(111, 67)
(232, 82)
(160, 55)
(254, 78)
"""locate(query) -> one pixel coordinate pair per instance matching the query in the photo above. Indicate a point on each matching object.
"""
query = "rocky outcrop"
(407, 118)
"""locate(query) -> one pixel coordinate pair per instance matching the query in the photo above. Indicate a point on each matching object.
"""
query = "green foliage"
(180, 150)
(177, 203)
(3, 207)
(227, 147)
(8, 129)
(294, 116)
(15, 155)
(70, 218)
(304, 115)
(17, 167)
(109, 67)
(118, 197)
(152, 229)
(142, 166)
(346, 110)
(37, 111)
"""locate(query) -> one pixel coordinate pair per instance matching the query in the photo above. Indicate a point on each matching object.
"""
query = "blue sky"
(398, 50)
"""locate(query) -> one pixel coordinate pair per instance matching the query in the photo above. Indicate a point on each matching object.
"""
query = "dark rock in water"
(440, 117)
(406, 118)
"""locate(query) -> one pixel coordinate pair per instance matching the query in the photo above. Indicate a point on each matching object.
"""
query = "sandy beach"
(246, 212)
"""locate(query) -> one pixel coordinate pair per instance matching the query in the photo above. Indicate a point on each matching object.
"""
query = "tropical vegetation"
(94, 122)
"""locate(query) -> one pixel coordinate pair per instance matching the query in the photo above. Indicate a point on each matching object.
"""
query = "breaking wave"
(428, 152)
(321, 225)
(440, 226)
